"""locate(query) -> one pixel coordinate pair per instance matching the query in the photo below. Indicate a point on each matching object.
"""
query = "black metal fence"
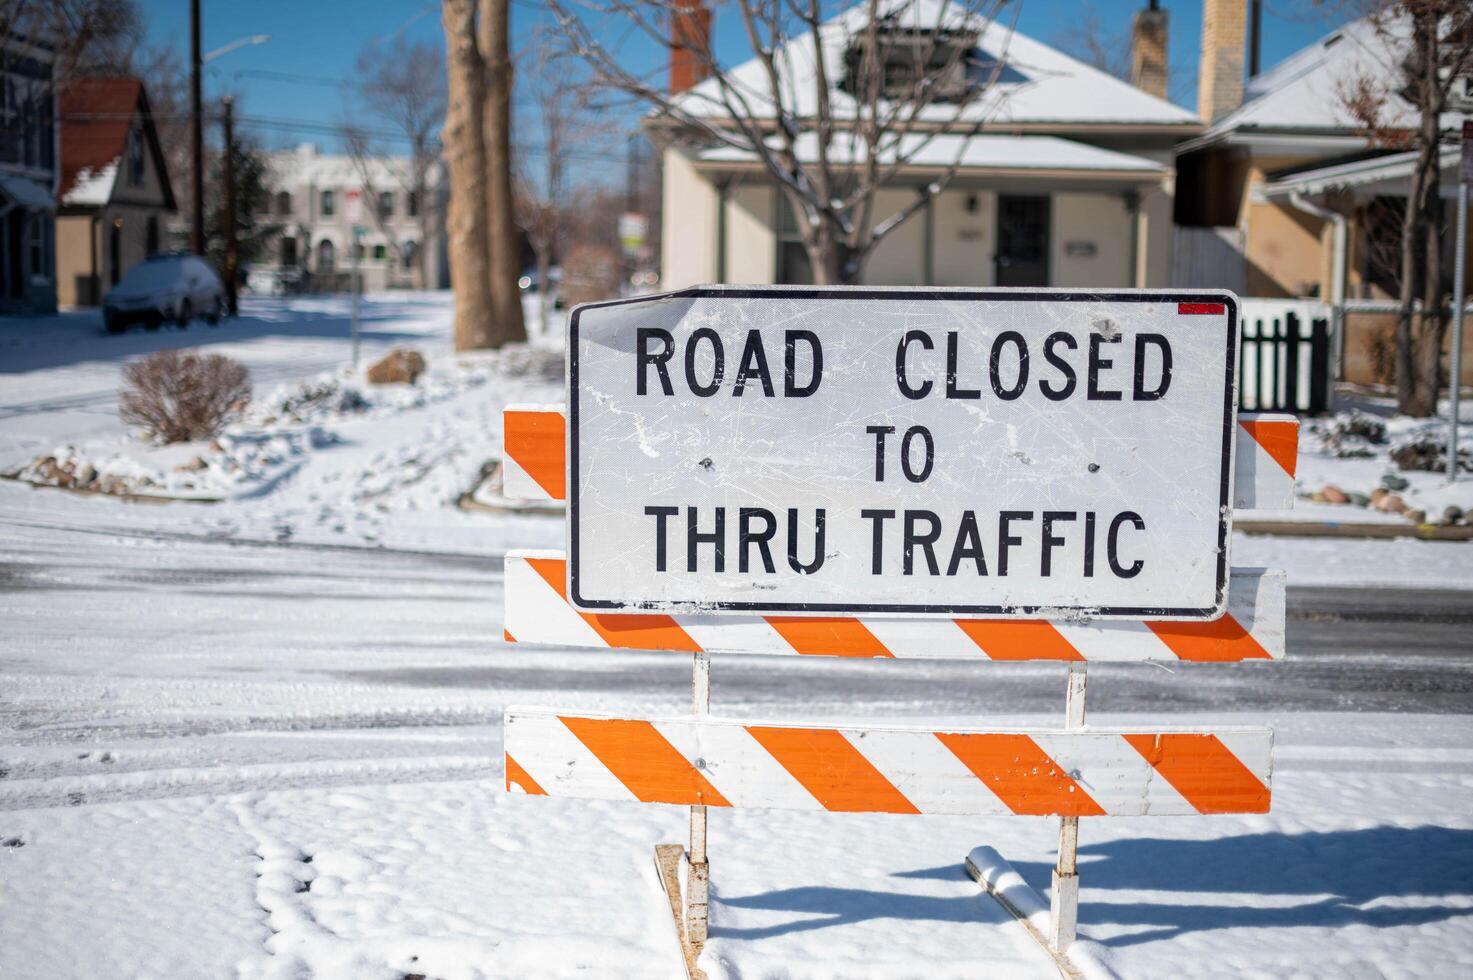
(1284, 360)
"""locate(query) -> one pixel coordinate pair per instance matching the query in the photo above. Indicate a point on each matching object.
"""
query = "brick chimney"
(1148, 50)
(1220, 82)
(690, 39)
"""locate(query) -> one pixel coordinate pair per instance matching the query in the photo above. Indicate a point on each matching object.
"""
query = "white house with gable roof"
(1069, 183)
(312, 201)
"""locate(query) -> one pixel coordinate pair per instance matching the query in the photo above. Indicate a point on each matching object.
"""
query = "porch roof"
(1381, 175)
(984, 155)
(28, 194)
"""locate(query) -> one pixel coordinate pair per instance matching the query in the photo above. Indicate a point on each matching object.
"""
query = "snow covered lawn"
(261, 737)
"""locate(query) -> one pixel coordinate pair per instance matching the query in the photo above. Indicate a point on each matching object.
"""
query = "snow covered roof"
(90, 187)
(96, 117)
(1306, 92)
(1382, 174)
(29, 194)
(1038, 85)
(304, 165)
(978, 153)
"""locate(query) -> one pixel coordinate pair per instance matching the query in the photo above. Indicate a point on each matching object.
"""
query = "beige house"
(115, 194)
(1285, 196)
(1069, 184)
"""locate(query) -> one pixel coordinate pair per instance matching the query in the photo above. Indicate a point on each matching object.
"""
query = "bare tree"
(402, 83)
(838, 108)
(477, 138)
(465, 155)
(502, 234)
(1085, 37)
(1430, 44)
(82, 34)
(567, 118)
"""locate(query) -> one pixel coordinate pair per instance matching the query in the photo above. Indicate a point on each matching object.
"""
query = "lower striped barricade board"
(538, 611)
(702, 761)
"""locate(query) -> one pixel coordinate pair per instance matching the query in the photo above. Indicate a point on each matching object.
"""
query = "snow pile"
(239, 463)
(1370, 465)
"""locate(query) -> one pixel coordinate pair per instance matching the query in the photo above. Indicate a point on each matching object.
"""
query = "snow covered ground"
(261, 738)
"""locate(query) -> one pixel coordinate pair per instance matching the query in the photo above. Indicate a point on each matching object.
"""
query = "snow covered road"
(187, 721)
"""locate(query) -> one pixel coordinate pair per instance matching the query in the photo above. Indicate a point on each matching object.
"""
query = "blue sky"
(317, 42)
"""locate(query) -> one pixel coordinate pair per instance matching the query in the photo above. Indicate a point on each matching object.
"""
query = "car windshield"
(152, 274)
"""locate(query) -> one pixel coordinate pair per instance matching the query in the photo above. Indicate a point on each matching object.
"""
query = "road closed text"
(984, 453)
(1104, 366)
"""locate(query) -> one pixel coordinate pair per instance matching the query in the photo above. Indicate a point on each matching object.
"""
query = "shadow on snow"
(1347, 875)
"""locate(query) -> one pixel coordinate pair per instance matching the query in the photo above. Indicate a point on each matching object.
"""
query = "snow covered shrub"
(1427, 453)
(1350, 435)
(180, 396)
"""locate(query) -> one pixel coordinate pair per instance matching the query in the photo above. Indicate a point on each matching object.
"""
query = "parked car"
(164, 287)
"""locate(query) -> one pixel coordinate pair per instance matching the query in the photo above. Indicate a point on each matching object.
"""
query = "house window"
(151, 235)
(326, 255)
(411, 204)
(793, 267)
(39, 264)
(380, 252)
(9, 121)
(283, 203)
(329, 204)
(135, 157)
(288, 251)
(411, 249)
(386, 204)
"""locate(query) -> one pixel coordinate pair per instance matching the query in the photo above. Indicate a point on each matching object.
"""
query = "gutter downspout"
(1337, 282)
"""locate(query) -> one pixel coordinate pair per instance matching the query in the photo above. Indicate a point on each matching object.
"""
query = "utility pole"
(1255, 36)
(197, 136)
(1460, 297)
(227, 219)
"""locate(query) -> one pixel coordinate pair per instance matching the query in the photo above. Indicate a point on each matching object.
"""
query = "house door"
(1022, 240)
(115, 251)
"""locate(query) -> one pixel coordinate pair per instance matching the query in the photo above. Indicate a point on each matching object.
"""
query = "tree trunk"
(506, 298)
(465, 153)
(1419, 331)
(422, 220)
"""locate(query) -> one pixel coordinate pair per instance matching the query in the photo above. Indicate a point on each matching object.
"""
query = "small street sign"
(353, 206)
(1038, 454)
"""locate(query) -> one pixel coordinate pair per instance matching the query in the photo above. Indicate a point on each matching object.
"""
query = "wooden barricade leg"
(683, 872)
(1064, 906)
(698, 874)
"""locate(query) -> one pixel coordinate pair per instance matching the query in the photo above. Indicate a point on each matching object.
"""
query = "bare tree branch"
(887, 79)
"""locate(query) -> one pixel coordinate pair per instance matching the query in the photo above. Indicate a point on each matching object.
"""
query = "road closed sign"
(811, 451)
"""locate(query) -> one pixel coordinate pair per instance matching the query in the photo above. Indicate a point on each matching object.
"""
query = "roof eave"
(1123, 176)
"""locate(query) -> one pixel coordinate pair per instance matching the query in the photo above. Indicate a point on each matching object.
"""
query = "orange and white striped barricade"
(699, 761)
(534, 457)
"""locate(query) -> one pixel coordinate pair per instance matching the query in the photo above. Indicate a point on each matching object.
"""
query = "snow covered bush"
(181, 396)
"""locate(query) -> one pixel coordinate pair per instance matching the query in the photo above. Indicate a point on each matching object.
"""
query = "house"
(28, 177)
(1068, 184)
(1285, 195)
(115, 194)
(318, 198)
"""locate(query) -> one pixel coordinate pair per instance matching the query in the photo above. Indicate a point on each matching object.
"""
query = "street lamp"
(239, 42)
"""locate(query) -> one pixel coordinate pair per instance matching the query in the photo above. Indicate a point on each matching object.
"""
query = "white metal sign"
(1011, 453)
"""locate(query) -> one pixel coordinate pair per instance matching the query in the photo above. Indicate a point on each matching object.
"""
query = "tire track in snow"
(157, 784)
